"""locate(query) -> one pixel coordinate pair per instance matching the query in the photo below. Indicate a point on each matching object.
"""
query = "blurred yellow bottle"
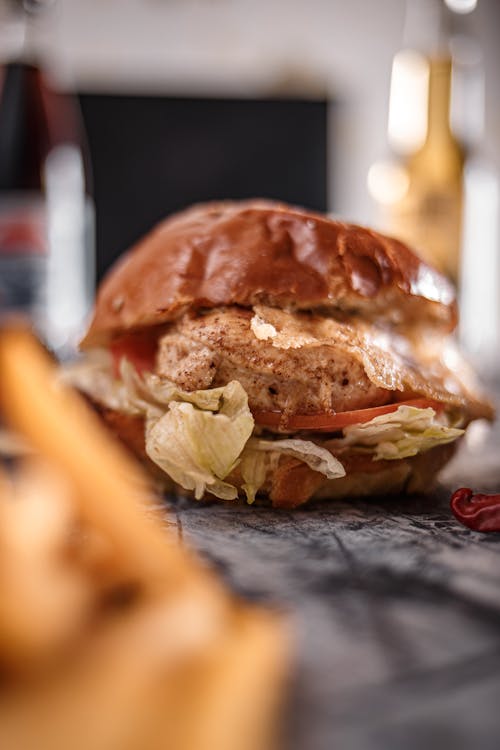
(428, 213)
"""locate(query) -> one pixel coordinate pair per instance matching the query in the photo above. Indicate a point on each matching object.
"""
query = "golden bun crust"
(264, 252)
(405, 476)
(294, 483)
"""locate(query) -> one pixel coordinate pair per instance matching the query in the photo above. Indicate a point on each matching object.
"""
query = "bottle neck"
(439, 101)
(423, 23)
(27, 33)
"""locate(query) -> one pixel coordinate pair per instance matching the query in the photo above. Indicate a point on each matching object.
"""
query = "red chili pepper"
(478, 512)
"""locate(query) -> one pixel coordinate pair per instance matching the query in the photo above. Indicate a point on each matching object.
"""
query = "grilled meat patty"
(302, 364)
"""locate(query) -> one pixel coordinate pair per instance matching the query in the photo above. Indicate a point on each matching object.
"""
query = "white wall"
(255, 47)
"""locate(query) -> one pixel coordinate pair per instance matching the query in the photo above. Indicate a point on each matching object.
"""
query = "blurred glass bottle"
(420, 190)
(440, 190)
(46, 213)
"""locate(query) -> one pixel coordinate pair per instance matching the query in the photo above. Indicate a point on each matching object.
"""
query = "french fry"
(113, 492)
(239, 682)
(181, 666)
(35, 584)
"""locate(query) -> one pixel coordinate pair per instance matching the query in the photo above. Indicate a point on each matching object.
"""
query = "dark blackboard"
(153, 155)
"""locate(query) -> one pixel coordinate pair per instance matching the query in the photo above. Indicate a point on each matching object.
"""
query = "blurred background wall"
(195, 99)
(335, 48)
(330, 50)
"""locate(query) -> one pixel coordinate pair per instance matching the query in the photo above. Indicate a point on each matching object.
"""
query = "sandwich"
(256, 350)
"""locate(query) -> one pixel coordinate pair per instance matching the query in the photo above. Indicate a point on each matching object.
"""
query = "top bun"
(264, 252)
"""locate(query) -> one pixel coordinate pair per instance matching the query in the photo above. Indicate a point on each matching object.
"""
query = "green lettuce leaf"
(195, 437)
(318, 458)
(255, 466)
(198, 447)
(261, 457)
(400, 434)
(93, 374)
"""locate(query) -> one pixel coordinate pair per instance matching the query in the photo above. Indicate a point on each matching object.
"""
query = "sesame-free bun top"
(264, 252)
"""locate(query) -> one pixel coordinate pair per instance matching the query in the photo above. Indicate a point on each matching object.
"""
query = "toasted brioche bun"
(263, 252)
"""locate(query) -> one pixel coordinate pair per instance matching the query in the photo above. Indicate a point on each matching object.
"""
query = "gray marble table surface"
(394, 606)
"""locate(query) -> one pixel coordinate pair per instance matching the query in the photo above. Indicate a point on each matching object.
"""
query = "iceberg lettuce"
(255, 466)
(198, 447)
(261, 457)
(198, 438)
(399, 434)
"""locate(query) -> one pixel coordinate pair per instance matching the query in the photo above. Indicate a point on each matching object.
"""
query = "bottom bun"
(406, 476)
(294, 483)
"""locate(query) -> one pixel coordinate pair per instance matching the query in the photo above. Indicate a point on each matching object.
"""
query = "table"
(394, 607)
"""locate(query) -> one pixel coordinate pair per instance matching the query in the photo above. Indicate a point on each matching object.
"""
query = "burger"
(257, 350)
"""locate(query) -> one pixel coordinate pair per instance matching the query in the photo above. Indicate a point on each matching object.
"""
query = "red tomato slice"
(333, 422)
(138, 348)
